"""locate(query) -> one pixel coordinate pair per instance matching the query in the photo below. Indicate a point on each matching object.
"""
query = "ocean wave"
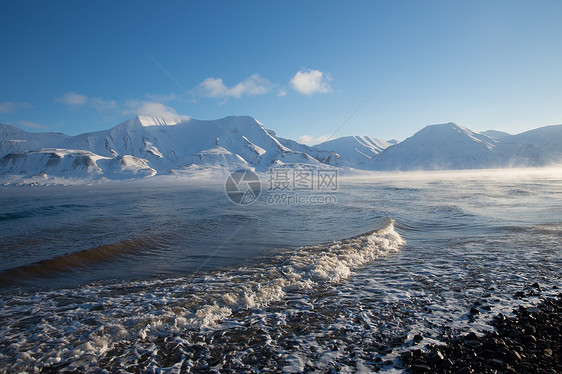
(73, 261)
(50, 210)
(78, 329)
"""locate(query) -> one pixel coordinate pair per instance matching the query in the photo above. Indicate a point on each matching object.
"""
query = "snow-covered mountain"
(145, 146)
(540, 146)
(14, 140)
(444, 146)
(451, 146)
(495, 134)
(356, 150)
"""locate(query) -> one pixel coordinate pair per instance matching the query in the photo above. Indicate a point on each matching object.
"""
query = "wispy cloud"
(32, 125)
(251, 86)
(75, 99)
(308, 82)
(151, 108)
(311, 140)
(10, 106)
(72, 98)
(102, 105)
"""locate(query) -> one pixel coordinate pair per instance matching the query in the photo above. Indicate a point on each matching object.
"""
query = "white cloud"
(102, 105)
(311, 140)
(308, 82)
(75, 99)
(151, 108)
(282, 93)
(32, 125)
(72, 98)
(131, 107)
(10, 106)
(251, 86)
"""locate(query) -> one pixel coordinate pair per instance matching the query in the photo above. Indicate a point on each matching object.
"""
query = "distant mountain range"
(145, 146)
(451, 146)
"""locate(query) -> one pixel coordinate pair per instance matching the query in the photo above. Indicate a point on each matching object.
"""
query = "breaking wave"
(73, 261)
(122, 324)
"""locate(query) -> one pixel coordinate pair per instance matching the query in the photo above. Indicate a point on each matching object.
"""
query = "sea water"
(174, 277)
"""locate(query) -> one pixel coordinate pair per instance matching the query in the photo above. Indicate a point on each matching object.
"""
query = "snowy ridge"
(355, 149)
(146, 121)
(443, 146)
(451, 146)
(14, 140)
(145, 146)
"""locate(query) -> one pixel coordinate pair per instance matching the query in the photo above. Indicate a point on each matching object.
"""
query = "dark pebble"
(437, 356)
(530, 330)
(420, 368)
(406, 356)
(528, 342)
(386, 351)
(473, 310)
(519, 295)
(529, 338)
(515, 356)
(498, 362)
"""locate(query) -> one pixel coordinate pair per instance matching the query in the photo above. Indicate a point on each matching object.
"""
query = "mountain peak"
(149, 120)
(495, 134)
(355, 149)
(240, 120)
(447, 126)
(6, 130)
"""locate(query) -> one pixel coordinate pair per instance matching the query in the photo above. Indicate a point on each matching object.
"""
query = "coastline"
(530, 342)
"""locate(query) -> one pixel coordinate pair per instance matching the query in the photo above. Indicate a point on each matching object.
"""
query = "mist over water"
(177, 276)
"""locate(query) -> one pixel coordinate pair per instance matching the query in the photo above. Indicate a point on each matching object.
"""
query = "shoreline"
(530, 342)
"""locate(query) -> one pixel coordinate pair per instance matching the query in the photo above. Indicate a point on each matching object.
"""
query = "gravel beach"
(528, 342)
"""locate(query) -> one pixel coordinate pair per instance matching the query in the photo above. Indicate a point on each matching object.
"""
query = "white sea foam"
(76, 329)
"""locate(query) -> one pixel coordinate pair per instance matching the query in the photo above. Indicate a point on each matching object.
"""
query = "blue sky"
(300, 67)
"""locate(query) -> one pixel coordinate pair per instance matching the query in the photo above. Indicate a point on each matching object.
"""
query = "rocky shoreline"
(529, 342)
